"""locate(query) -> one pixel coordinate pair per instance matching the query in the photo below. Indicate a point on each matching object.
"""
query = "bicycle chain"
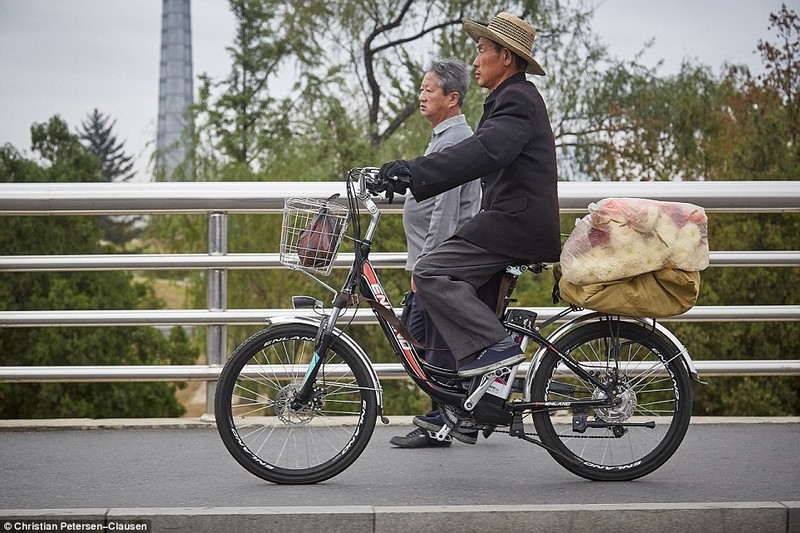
(528, 434)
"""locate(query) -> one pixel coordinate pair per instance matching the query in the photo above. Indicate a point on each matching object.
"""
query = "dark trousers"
(451, 282)
(437, 353)
(424, 330)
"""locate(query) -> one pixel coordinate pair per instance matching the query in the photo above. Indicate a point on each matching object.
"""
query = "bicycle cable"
(352, 204)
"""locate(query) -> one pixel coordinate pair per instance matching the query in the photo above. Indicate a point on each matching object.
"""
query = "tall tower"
(175, 91)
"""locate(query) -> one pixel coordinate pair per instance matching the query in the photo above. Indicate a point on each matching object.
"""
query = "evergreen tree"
(97, 136)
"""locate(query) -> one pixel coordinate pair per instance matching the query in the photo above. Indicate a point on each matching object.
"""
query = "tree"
(758, 121)
(388, 43)
(755, 137)
(695, 125)
(362, 61)
(97, 136)
(782, 61)
(63, 159)
(238, 116)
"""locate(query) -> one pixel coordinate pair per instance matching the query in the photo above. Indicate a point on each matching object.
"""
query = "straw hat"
(511, 32)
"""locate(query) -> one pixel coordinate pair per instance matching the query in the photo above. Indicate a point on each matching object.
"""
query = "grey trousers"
(448, 280)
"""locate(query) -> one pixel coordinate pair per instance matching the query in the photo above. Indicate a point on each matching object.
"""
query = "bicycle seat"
(536, 268)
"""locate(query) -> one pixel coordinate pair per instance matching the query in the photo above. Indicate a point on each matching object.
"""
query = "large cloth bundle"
(636, 257)
(665, 292)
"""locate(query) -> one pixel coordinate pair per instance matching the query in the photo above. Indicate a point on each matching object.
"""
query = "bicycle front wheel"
(648, 418)
(281, 443)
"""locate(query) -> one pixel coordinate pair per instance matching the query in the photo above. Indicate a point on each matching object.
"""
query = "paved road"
(65, 469)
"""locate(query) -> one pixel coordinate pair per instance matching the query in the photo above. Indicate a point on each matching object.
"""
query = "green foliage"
(239, 117)
(694, 125)
(734, 127)
(748, 340)
(65, 160)
(748, 396)
(754, 137)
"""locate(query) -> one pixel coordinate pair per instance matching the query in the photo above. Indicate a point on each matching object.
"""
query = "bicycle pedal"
(494, 386)
(443, 433)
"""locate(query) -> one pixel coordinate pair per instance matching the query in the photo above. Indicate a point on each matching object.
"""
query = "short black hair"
(520, 63)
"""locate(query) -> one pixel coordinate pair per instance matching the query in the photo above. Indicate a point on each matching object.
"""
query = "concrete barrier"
(712, 517)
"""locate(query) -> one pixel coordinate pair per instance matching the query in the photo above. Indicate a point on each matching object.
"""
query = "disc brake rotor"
(300, 416)
(620, 412)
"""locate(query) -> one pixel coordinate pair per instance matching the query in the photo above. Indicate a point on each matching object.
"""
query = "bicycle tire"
(269, 438)
(654, 387)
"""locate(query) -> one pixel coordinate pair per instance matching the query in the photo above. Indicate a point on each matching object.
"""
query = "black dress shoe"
(420, 438)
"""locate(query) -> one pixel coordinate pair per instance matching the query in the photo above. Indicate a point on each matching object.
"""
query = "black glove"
(394, 177)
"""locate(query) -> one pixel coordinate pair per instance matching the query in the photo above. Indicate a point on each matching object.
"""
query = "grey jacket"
(430, 222)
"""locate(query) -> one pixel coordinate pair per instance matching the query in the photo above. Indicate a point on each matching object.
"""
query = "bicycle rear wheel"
(282, 444)
(653, 387)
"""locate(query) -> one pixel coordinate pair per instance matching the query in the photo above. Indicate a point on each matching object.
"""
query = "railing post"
(217, 300)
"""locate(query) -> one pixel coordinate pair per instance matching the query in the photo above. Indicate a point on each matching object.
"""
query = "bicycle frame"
(363, 277)
(443, 385)
(612, 376)
(415, 367)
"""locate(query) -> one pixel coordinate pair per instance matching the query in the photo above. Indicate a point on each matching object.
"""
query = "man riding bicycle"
(513, 154)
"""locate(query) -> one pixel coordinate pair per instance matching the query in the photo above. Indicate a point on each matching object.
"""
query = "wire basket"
(311, 233)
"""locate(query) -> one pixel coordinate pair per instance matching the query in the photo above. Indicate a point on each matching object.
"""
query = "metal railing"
(218, 199)
(265, 197)
(169, 373)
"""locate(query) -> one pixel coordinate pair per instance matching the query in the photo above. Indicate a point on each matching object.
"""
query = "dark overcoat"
(513, 154)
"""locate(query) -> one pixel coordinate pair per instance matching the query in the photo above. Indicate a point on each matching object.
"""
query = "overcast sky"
(68, 57)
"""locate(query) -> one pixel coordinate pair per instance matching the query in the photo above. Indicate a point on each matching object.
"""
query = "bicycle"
(609, 397)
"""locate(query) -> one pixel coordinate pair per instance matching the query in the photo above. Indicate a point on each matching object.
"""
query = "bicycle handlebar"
(368, 180)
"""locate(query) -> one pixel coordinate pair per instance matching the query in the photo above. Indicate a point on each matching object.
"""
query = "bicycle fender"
(376, 384)
(580, 320)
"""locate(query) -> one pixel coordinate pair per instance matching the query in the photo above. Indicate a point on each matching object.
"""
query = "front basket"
(311, 234)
